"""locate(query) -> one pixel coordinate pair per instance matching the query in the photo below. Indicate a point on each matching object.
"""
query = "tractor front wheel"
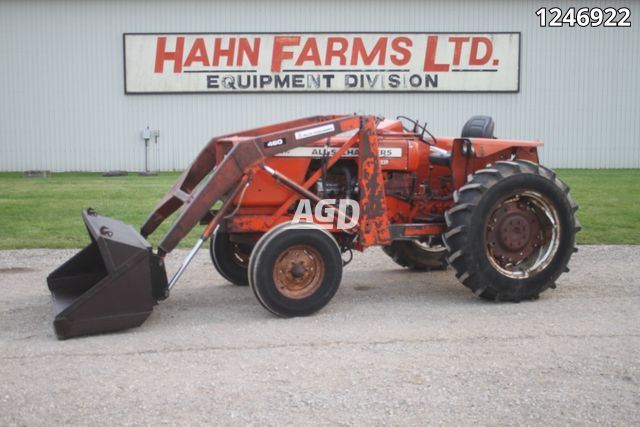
(295, 269)
(511, 231)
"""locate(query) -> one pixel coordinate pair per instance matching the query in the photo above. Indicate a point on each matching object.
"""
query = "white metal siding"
(62, 102)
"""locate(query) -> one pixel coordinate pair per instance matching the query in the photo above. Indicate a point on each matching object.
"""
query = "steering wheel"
(410, 120)
(417, 128)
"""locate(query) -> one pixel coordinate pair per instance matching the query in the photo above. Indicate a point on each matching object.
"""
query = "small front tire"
(295, 269)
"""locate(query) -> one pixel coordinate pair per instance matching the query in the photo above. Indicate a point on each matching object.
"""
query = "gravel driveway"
(393, 347)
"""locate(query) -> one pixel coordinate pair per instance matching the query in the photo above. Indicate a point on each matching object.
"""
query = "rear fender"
(471, 154)
(484, 147)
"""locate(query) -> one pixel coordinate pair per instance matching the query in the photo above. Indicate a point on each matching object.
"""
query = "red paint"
(430, 64)
(400, 45)
(475, 44)
(309, 53)
(245, 50)
(198, 53)
(359, 52)
(163, 55)
(336, 52)
(457, 50)
(279, 54)
(219, 51)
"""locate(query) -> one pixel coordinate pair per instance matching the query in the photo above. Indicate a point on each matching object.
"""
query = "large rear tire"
(511, 231)
(295, 269)
(230, 259)
(420, 256)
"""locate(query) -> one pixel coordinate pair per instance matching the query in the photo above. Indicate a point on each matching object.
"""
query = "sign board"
(321, 62)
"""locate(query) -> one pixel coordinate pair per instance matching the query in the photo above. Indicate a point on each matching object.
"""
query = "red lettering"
(309, 52)
(404, 54)
(218, 51)
(279, 54)
(430, 56)
(457, 50)
(162, 55)
(198, 53)
(246, 50)
(379, 50)
(475, 43)
(333, 52)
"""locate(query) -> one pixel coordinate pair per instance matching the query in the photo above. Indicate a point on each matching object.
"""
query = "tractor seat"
(476, 127)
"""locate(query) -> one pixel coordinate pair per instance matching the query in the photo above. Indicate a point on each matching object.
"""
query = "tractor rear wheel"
(295, 269)
(423, 256)
(230, 259)
(511, 231)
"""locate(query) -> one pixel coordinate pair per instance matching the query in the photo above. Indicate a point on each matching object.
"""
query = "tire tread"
(458, 219)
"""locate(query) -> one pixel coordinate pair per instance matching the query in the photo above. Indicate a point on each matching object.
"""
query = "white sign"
(319, 130)
(318, 152)
(321, 62)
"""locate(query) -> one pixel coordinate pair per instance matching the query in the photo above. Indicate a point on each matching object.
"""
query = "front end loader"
(271, 203)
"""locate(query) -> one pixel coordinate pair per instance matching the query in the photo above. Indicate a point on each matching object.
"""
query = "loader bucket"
(111, 284)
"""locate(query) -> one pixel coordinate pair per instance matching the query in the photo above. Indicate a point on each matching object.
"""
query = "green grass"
(609, 201)
(45, 212)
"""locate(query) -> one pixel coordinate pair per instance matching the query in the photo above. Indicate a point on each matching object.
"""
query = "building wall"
(63, 107)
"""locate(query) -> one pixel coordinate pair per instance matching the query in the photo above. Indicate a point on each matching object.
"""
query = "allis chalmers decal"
(383, 62)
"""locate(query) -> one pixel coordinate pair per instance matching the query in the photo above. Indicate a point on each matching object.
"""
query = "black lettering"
(212, 81)
(298, 81)
(327, 79)
(282, 81)
(313, 81)
(350, 80)
(431, 80)
(244, 85)
(228, 82)
(371, 82)
(265, 80)
(394, 80)
(415, 80)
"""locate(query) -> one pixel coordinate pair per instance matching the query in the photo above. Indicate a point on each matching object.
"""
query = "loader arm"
(197, 193)
(114, 282)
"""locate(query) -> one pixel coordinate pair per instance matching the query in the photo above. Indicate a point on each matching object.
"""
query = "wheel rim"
(298, 271)
(240, 254)
(432, 244)
(522, 235)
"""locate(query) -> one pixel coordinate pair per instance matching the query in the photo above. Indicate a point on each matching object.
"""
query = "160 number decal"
(584, 17)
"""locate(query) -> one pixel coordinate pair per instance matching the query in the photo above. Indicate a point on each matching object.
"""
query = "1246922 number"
(584, 17)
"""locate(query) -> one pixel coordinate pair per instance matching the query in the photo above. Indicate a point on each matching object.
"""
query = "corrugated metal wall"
(63, 105)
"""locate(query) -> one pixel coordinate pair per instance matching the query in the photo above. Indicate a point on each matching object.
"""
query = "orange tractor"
(271, 200)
